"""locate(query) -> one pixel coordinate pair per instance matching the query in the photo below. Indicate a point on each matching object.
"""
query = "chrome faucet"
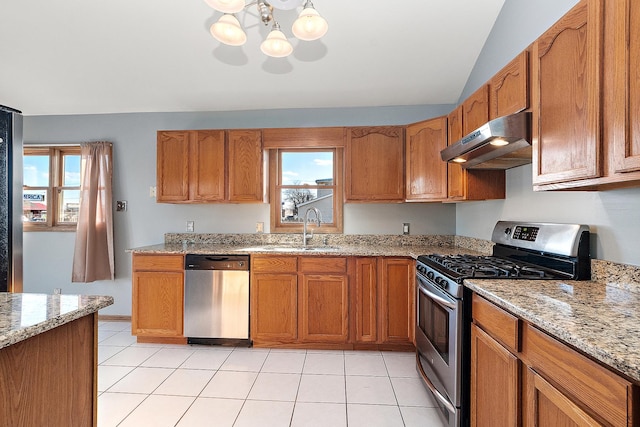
(306, 220)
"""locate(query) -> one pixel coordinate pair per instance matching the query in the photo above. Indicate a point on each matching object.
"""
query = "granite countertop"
(600, 318)
(282, 249)
(25, 315)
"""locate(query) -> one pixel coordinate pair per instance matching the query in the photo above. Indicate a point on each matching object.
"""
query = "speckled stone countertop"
(290, 244)
(600, 318)
(23, 316)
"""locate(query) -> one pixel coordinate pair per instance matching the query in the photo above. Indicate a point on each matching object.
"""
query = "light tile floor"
(172, 385)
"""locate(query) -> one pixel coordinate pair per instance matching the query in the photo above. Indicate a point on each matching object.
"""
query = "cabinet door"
(206, 167)
(426, 172)
(172, 180)
(324, 308)
(158, 304)
(274, 307)
(627, 144)
(475, 110)
(547, 406)
(396, 309)
(494, 382)
(245, 166)
(455, 174)
(567, 61)
(374, 169)
(508, 89)
(365, 299)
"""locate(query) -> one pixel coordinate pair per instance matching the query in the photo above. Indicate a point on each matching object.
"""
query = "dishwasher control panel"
(216, 262)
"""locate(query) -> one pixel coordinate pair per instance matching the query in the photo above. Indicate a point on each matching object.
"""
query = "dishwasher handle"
(216, 262)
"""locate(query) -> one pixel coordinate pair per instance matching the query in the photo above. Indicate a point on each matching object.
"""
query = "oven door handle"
(437, 298)
(445, 402)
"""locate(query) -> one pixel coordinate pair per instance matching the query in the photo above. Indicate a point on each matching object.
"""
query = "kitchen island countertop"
(24, 315)
(601, 319)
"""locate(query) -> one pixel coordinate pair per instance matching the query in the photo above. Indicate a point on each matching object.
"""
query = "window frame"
(276, 186)
(54, 190)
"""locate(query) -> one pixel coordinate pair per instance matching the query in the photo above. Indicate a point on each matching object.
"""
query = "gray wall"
(47, 256)
(614, 216)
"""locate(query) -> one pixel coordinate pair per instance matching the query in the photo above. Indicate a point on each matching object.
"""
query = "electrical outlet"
(57, 291)
(152, 191)
(121, 206)
(259, 227)
(190, 226)
(405, 228)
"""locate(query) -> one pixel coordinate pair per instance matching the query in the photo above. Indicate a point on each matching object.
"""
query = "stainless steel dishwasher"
(216, 299)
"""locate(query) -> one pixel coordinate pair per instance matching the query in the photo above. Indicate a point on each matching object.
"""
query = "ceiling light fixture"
(309, 25)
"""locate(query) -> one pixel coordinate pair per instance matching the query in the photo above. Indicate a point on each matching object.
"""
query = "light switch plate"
(405, 228)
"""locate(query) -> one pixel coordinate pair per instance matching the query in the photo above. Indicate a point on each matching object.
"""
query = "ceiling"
(90, 56)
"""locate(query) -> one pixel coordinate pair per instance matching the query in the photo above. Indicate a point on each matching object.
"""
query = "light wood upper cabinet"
(245, 166)
(208, 166)
(475, 110)
(626, 84)
(374, 166)
(509, 88)
(426, 172)
(173, 152)
(567, 76)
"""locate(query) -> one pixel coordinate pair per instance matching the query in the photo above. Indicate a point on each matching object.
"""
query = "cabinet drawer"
(323, 265)
(273, 264)
(158, 262)
(591, 386)
(501, 325)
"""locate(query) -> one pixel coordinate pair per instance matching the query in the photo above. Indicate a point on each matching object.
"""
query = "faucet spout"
(318, 215)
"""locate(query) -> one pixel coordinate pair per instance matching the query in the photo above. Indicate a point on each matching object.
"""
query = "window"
(51, 192)
(304, 179)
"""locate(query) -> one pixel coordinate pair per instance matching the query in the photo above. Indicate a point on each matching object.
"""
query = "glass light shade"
(309, 25)
(276, 45)
(228, 31)
(226, 6)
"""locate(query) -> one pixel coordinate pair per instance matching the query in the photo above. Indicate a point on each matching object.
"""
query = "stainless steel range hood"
(502, 143)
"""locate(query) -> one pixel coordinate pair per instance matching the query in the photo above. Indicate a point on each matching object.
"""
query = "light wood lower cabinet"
(522, 376)
(383, 301)
(332, 302)
(158, 298)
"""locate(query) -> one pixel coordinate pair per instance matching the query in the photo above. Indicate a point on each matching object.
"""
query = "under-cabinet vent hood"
(502, 143)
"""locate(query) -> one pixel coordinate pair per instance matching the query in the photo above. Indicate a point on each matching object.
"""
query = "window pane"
(34, 206)
(69, 202)
(71, 170)
(36, 171)
(295, 203)
(312, 168)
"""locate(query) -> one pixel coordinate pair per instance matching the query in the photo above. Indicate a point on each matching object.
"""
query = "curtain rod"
(53, 144)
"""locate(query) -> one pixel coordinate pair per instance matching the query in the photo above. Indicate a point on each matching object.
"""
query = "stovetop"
(474, 266)
(521, 251)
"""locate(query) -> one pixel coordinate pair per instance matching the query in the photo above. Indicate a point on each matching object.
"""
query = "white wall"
(47, 256)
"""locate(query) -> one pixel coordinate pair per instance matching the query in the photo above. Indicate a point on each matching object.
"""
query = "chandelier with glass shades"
(309, 25)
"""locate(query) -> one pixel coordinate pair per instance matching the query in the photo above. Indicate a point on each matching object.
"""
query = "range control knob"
(507, 230)
(430, 275)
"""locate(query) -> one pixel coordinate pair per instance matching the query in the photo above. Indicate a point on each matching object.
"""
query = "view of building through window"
(306, 182)
(51, 192)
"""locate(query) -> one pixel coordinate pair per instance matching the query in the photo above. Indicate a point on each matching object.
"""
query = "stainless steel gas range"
(534, 251)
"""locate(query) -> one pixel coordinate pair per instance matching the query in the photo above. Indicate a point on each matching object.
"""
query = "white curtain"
(93, 257)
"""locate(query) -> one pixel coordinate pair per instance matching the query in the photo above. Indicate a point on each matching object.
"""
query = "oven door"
(438, 345)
